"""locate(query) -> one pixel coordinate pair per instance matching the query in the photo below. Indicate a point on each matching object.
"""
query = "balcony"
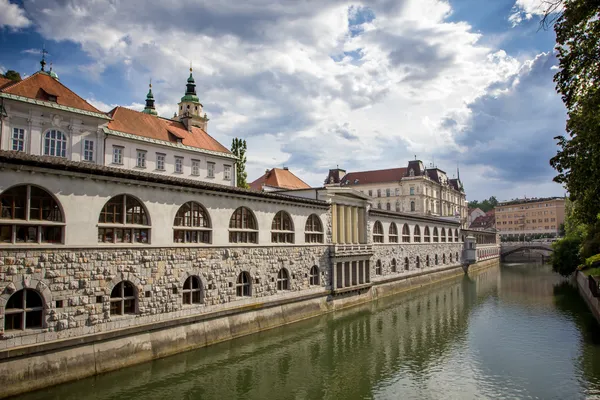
(352, 250)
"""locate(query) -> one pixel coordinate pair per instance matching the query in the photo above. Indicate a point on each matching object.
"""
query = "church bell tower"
(190, 108)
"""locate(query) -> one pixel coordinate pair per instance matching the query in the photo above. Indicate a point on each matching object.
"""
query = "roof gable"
(279, 178)
(40, 86)
(157, 128)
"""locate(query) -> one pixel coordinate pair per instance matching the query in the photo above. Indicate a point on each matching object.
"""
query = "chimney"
(285, 168)
(186, 119)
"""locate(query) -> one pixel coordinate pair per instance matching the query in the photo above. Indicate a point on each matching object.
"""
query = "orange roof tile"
(153, 127)
(5, 82)
(279, 178)
(40, 85)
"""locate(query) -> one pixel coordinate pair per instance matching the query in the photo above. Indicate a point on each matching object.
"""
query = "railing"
(353, 248)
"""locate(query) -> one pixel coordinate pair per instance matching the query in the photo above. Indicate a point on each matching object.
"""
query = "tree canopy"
(485, 205)
(12, 75)
(238, 148)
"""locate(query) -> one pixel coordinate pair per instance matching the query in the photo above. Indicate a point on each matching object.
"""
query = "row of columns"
(348, 224)
(351, 273)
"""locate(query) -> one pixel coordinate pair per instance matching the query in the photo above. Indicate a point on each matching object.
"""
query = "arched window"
(427, 261)
(122, 220)
(192, 224)
(314, 276)
(282, 228)
(393, 233)
(444, 258)
(393, 265)
(412, 206)
(378, 267)
(406, 264)
(417, 234)
(456, 235)
(243, 227)
(436, 259)
(24, 310)
(397, 206)
(242, 286)
(192, 290)
(450, 258)
(436, 235)
(313, 229)
(283, 280)
(123, 299)
(443, 235)
(29, 214)
(55, 143)
(388, 206)
(457, 259)
(379, 205)
(377, 232)
(418, 262)
(427, 235)
(405, 234)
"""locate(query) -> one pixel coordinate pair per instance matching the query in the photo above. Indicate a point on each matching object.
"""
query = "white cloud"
(12, 16)
(2, 69)
(293, 78)
(524, 10)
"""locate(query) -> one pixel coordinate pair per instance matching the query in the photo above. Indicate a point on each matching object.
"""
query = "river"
(514, 331)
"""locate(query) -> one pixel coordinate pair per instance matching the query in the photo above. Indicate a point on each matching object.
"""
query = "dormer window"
(52, 98)
(196, 108)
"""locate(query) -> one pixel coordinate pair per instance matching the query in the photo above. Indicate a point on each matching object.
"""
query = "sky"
(313, 84)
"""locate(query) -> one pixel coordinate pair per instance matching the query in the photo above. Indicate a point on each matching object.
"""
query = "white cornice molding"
(50, 104)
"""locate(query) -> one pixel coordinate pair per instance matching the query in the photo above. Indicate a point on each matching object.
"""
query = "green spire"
(149, 109)
(190, 91)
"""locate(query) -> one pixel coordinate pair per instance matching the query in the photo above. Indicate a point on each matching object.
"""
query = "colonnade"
(351, 273)
(348, 224)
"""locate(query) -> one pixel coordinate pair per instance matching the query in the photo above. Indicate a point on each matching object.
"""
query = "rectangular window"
(160, 161)
(397, 191)
(195, 167)
(88, 150)
(141, 159)
(117, 155)
(227, 173)
(378, 192)
(370, 193)
(412, 191)
(18, 139)
(210, 169)
(178, 165)
(387, 193)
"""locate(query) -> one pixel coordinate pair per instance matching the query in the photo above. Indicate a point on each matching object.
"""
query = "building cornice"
(50, 104)
(393, 214)
(180, 146)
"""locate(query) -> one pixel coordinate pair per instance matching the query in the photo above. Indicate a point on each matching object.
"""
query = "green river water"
(514, 331)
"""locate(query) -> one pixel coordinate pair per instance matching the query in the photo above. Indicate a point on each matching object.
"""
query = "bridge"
(542, 249)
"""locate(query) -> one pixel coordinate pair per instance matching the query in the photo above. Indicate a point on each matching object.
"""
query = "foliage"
(12, 75)
(593, 261)
(578, 158)
(238, 148)
(485, 205)
(565, 257)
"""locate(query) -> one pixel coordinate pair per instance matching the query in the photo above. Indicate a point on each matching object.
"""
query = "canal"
(515, 331)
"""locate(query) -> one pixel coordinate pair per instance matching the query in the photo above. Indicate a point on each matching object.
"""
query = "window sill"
(210, 177)
(114, 163)
(159, 170)
(178, 172)
(138, 167)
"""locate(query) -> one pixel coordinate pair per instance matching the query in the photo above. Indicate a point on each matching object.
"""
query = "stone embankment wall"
(134, 339)
(584, 289)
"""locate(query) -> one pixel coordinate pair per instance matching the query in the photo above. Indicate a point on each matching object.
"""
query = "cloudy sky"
(313, 84)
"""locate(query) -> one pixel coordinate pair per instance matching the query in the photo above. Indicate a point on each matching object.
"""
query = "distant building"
(278, 179)
(537, 216)
(412, 189)
(473, 214)
(485, 222)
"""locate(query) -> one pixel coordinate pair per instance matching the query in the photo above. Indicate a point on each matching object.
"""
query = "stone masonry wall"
(399, 251)
(76, 284)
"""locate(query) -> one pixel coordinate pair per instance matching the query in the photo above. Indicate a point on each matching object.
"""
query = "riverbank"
(592, 302)
(34, 367)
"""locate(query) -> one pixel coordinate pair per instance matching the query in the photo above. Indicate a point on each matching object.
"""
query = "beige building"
(535, 216)
(411, 189)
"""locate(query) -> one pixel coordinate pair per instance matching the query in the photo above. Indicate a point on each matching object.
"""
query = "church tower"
(149, 109)
(190, 108)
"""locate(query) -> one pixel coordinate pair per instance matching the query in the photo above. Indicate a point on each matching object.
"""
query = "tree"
(485, 205)
(238, 148)
(12, 75)
(577, 161)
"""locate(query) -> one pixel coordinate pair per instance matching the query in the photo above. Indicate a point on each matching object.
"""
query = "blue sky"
(359, 84)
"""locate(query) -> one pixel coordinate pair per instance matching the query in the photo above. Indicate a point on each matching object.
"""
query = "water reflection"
(515, 331)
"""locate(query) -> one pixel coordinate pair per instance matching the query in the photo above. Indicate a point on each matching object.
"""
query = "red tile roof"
(279, 178)
(40, 85)
(5, 82)
(153, 127)
(378, 176)
(484, 221)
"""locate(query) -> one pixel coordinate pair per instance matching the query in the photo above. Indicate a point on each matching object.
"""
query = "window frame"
(314, 276)
(86, 150)
(227, 172)
(194, 228)
(47, 141)
(117, 154)
(178, 165)
(24, 310)
(283, 280)
(210, 169)
(193, 294)
(405, 233)
(243, 234)
(393, 233)
(378, 235)
(417, 234)
(122, 299)
(36, 225)
(378, 267)
(140, 158)
(21, 139)
(278, 232)
(161, 161)
(195, 167)
(243, 284)
(122, 228)
(310, 234)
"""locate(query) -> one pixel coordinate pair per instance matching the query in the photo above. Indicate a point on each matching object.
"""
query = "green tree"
(238, 148)
(577, 161)
(12, 75)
